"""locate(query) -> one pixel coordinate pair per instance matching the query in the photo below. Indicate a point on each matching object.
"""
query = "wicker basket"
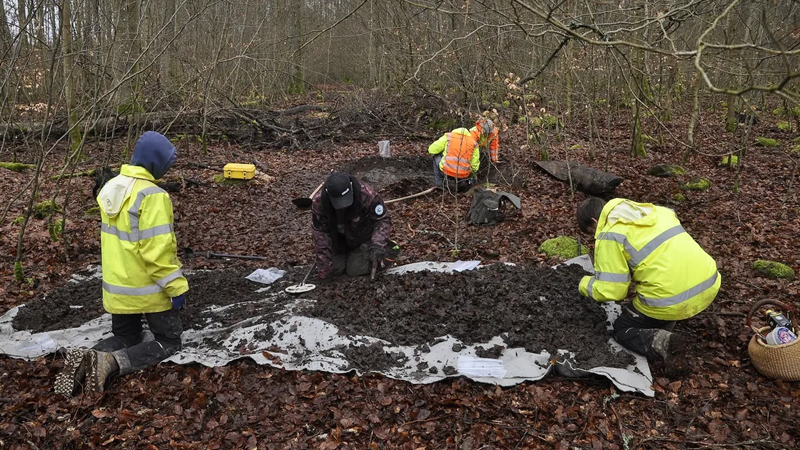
(774, 361)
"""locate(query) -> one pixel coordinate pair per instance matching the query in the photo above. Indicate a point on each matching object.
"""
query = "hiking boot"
(71, 378)
(99, 367)
(671, 347)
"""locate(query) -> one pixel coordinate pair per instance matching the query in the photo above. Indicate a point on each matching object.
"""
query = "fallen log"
(584, 179)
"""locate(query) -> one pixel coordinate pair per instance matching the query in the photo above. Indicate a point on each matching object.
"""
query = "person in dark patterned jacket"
(351, 227)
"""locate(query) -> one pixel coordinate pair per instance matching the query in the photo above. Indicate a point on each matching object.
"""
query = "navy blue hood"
(155, 153)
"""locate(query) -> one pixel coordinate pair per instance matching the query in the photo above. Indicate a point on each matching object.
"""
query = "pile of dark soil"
(222, 288)
(532, 307)
(69, 306)
(382, 173)
(74, 304)
(402, 188)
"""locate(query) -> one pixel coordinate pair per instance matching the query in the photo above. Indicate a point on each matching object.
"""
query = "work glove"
(179, 302)
(376, 253)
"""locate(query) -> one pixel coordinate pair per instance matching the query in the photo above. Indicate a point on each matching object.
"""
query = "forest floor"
(724, 402)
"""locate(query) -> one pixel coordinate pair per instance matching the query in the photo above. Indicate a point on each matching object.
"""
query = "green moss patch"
(19, 220)
(679, 197)
(55, 229)
(784, 126)
(766, 142)
(563, 246)
(85, 173)
(94, 211)
(45, 209)
(729, 160)
(773, 269)
(666, 170)
(16, 167)
(697, 184)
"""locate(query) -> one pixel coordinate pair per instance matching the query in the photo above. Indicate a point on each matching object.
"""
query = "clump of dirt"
(493, 352)
(537, 308)
(69, 306)
(372, 357)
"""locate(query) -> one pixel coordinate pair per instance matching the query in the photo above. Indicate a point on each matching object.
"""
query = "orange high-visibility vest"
(458, 154)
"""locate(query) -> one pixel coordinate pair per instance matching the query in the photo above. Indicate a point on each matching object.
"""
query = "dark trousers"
(354, 262)
(635, 331)
(131, 353)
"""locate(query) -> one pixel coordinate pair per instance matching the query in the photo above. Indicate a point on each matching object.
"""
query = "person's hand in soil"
(179, 302)
(377, 253)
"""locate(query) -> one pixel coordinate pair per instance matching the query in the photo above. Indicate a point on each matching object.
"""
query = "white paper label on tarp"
(481, 367)
(266, 276)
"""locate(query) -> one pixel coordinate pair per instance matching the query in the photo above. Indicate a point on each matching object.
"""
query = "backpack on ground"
(487, 206)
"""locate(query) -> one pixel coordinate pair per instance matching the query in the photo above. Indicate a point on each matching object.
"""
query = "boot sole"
(91, 371)
(67, 381)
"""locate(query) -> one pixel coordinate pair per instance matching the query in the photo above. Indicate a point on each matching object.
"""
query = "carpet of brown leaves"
(723, 403)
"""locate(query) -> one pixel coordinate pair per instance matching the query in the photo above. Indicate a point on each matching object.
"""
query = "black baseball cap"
(339, 189)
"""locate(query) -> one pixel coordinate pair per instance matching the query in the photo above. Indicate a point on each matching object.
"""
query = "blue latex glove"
(179, 302)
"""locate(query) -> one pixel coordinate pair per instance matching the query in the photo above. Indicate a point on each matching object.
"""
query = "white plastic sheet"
(304, 343)
(266, 276)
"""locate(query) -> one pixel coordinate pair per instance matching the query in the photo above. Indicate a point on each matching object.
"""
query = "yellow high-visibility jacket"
(440, 145)
(640, 242)
(141, 271)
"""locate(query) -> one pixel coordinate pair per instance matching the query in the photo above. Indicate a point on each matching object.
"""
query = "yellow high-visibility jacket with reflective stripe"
(673, 276)
(440, 145)
(141, 271)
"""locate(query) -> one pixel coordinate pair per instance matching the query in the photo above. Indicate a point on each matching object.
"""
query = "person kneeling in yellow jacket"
(674, 278)
(141, 272)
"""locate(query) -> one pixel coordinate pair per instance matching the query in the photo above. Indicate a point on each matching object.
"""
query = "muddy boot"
(99, 367)
(671, 347)
(69, 381)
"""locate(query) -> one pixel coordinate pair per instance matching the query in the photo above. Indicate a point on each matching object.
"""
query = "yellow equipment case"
(239, 171)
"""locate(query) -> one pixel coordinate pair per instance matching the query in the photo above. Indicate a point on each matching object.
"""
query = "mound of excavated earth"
(537, 308)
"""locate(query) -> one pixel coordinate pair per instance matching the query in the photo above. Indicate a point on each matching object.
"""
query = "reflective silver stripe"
(123, 290)
(155, 231)
(164, 281)
(134, 211)
(613, 277)
(122, 235)
(653, 244)
(589, 288)
(136, 235)
(637, 256)
(683, 296)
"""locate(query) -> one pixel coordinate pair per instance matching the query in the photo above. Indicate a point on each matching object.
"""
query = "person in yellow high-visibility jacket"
(141, 272)
(674, 278)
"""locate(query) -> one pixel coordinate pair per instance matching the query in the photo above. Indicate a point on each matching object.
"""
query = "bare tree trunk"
(69, 74)
(169, 64)
(693, 119)
(126, 52)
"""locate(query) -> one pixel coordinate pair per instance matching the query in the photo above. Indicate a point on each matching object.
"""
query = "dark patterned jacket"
(367, 222)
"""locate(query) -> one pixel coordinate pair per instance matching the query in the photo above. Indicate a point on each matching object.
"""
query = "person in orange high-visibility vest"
(486, 135)
(456, 159)
(459, 154)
